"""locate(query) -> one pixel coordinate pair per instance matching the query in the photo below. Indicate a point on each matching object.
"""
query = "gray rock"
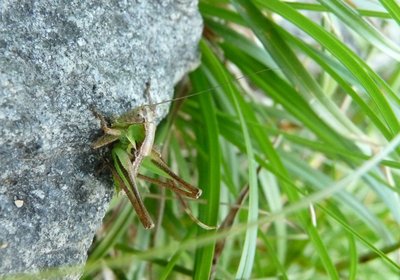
(57, 60)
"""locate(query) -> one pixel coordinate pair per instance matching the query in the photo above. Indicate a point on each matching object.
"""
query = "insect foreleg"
(111, 134)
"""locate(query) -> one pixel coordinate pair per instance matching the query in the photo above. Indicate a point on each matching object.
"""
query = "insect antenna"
(209, 89)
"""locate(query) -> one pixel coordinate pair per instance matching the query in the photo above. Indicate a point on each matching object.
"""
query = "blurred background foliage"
(291, 129)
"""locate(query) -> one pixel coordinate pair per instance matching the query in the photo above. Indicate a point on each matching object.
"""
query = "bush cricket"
(132, 136)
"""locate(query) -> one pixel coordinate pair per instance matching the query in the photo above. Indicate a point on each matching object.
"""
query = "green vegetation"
(298, 164)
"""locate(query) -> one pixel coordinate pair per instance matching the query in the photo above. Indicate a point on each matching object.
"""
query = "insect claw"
(197, 194)
(149, 225)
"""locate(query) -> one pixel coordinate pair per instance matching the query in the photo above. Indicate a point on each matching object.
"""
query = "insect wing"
(122, 165)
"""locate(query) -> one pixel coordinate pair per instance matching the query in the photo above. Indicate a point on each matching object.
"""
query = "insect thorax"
(140, 114)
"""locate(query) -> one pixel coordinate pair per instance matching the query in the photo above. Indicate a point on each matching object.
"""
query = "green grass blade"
(209, 177)
(393, 8)
(320, 8)
(249, 247)
(359, 69)
(118, 228)
(343, 183)
(363, 28)
(294, 70)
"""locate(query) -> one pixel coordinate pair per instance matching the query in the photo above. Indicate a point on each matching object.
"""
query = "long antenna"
(210, 89)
